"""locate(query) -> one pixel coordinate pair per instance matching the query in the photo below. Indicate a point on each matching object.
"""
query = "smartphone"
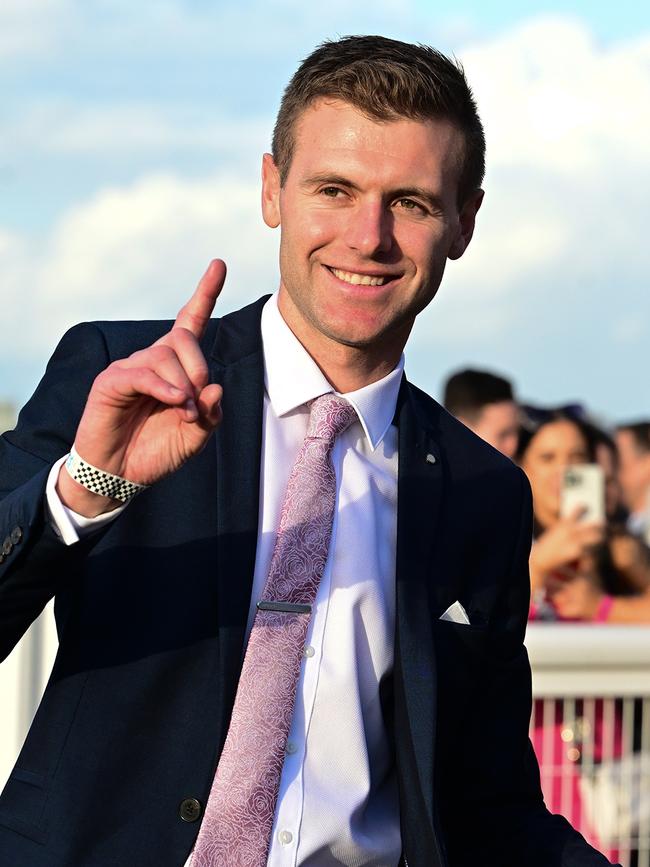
(584, 485)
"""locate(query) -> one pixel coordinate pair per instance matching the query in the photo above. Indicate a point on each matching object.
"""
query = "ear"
(270, 192)
(466, 223)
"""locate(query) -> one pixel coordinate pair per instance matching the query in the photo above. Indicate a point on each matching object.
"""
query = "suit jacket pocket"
(24, 798)
(22, 803)
(454, 638)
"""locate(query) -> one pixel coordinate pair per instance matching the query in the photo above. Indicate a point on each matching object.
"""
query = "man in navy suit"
(409, 739)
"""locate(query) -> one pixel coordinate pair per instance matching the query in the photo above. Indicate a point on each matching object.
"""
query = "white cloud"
(568, 166)
(134, 252)
(552, 97)
(560, 238)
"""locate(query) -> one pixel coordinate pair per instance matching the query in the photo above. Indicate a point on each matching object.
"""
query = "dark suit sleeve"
(496, 781)
(35, 562)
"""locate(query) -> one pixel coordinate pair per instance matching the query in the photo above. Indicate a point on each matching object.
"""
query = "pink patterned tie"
(236, 828)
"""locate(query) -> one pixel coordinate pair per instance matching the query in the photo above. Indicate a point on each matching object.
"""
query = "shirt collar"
(293, 378)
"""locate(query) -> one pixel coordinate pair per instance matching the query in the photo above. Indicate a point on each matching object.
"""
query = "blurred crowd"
(590, 559)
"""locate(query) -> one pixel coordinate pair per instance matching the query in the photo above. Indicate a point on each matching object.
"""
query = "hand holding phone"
(583, 492)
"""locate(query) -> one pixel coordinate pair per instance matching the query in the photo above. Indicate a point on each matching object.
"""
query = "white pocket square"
(456, 613)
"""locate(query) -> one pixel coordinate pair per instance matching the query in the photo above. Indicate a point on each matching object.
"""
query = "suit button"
(190, 810)
(16, 535)
(7, 546)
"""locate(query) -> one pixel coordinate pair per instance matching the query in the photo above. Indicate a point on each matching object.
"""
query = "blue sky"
(130, 139)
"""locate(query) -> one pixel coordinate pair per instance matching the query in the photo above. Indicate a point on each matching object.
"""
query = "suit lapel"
(237, 363)
(419, 499)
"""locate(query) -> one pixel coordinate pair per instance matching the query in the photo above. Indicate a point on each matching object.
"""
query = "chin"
(343, 328)
(358, 338)
(365, 331)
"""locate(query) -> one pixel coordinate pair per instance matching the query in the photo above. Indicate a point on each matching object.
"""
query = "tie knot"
(329, 416)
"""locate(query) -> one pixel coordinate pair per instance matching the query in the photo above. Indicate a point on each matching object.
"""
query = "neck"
(346, 367)
(349, 371)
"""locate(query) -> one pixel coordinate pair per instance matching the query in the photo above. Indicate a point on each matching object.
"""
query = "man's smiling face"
(369, 216)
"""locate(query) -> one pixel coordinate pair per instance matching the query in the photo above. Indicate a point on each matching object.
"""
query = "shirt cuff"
(69, 526)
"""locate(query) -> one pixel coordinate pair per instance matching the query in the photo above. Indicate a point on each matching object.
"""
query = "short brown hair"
(468, 392)
(386, 80)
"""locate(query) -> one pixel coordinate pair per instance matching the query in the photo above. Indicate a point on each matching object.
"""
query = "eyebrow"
(434, 201)
(327, 178)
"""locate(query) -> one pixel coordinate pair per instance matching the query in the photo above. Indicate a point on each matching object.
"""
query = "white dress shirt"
(337, 803)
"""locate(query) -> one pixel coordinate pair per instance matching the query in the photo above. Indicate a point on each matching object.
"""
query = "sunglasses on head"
(533, 417)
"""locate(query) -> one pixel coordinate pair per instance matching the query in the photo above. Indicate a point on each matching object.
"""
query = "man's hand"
(146, 415)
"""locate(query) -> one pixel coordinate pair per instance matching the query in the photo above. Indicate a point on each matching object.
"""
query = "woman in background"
(581, 598)
(580, 570)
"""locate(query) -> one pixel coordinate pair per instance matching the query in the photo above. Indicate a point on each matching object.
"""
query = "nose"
(370, 229)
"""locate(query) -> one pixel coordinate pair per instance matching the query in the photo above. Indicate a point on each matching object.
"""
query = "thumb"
(208, 404)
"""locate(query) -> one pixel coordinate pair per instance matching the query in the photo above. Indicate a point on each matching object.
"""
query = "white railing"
(23, 676)
(590, 725)
(591, 731)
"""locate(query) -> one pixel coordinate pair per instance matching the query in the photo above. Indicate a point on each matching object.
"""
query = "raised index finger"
(195, 315)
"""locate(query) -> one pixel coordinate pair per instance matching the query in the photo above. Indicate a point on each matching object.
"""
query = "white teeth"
(358, 279)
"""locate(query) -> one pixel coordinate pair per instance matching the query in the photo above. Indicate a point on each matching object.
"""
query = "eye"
(330, 192)
(411, 206)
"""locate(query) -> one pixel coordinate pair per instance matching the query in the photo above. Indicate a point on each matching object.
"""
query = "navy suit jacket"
(151, 616)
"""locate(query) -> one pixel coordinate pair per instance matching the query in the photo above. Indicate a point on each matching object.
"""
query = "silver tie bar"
(286, 607)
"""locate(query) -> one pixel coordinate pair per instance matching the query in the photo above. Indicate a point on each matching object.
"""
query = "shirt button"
(309, 651)
(291, 748)
(285, 837)
(189, 810)
(16, 535)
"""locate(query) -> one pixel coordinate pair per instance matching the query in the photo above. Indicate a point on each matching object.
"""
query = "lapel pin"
(431, 459)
